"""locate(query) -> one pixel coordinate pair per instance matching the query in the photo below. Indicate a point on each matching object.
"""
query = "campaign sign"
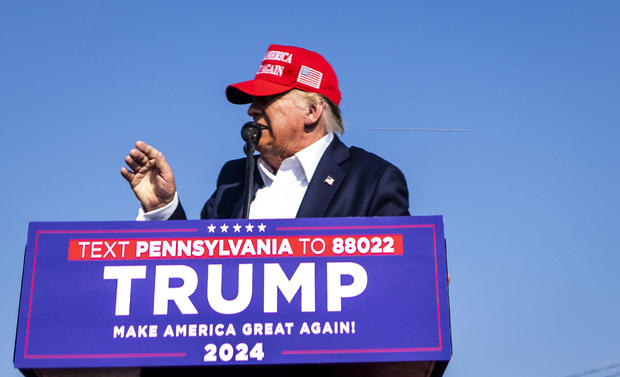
(233, 292)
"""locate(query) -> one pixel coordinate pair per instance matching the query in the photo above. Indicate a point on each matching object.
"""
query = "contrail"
(598, 370)
(423, 129)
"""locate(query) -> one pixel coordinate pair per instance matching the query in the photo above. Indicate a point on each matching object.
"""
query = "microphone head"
(251, 131)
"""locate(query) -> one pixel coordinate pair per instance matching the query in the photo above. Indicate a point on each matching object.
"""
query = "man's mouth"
(266, 125)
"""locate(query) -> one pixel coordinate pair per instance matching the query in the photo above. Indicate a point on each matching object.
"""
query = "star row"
(249, 228)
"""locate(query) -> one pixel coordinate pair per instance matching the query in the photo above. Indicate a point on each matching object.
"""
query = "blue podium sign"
(234, 292)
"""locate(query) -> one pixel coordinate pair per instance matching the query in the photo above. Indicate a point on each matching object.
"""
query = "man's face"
(284, 115)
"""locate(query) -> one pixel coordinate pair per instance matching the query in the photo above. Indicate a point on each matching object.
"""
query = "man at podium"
(304, 170)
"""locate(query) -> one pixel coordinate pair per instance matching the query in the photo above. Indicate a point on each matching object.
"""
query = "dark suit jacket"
(363, 185)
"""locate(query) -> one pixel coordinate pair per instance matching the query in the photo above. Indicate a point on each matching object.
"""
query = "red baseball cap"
(284, 68)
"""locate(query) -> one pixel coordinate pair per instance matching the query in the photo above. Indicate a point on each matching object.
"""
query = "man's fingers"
(141, 144)
(132, 163)
(149, 175)
(152, 154)
(138, 157)
(161, 163)
(126, 174)
(148, 150)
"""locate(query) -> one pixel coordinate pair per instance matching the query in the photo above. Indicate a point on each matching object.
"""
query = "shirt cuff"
(162, 213)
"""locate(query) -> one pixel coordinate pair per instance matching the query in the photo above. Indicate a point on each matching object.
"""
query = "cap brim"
(243, 92)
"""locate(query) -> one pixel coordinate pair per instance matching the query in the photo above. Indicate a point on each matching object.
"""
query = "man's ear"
(314, 112)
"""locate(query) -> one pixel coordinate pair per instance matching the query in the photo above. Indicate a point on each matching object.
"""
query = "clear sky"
(530, 196)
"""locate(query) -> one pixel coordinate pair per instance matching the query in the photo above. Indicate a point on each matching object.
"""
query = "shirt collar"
(308, 158)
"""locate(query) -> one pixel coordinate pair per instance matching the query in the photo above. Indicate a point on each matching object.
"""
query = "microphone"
(251, 131)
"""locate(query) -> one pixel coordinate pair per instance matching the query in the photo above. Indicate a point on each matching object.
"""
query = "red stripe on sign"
(234, 247)
(360, 350)
(106, 355)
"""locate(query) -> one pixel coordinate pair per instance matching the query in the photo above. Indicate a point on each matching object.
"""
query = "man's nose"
(254, 110)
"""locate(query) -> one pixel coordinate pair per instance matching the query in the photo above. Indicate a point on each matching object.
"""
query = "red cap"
(284, 68)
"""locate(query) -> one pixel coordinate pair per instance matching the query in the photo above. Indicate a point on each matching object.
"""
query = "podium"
(304, 297)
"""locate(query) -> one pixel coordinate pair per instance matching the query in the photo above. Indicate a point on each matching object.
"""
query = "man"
(304, 169)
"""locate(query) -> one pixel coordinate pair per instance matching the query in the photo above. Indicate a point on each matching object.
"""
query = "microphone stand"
(250, 133)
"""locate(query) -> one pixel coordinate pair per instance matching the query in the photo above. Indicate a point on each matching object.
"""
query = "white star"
(249, 228)
(224, 228)
(261, 227)
(211, 228)
(237, 227)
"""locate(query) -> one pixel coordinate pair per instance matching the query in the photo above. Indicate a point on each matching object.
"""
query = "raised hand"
(149, 176)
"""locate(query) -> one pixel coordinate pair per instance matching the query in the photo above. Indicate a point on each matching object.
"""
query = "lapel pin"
(329, 180)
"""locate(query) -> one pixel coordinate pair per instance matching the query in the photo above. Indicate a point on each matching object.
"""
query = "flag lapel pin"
(329, 180)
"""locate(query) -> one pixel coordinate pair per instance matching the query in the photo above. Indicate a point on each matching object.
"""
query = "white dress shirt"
(283, 191)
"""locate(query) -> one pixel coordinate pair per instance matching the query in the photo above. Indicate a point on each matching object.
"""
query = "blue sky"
(529, 195)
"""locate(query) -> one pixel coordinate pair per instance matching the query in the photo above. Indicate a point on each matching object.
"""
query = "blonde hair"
(333, 118)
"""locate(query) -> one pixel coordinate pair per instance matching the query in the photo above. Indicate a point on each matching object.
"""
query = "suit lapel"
(327, 177)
